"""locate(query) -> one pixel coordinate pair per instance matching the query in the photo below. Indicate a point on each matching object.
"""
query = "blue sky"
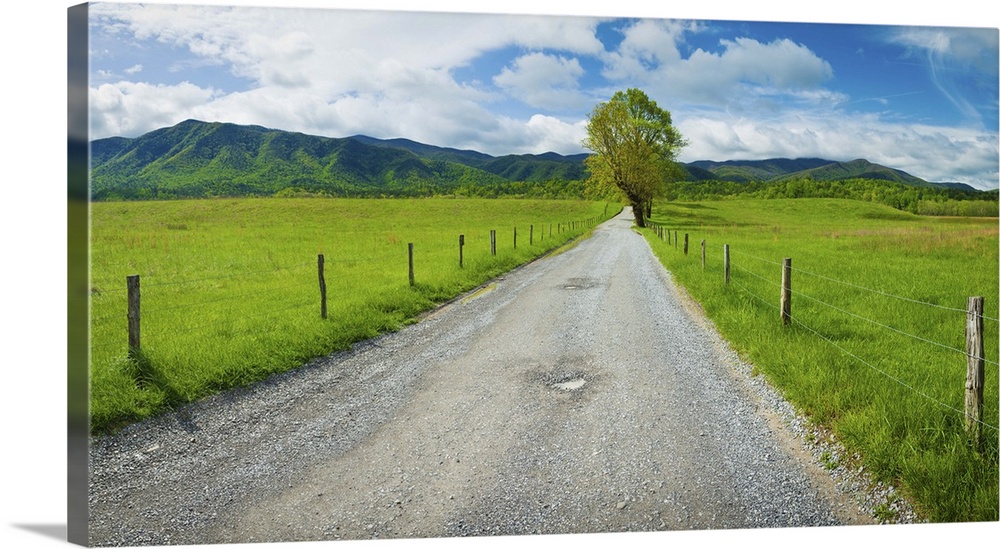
(911, 96)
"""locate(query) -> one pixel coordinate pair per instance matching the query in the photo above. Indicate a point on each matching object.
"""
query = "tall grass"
(876, 351)
(230, 291)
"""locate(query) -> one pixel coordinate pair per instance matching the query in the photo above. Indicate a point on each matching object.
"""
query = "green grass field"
(230, 291)
(876, 351)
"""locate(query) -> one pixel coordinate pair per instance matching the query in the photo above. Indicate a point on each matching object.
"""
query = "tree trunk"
(649, 209)
(639, 209)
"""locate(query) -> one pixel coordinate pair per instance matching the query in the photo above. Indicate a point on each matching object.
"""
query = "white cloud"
(648, 45)
(746, 67)
(129, 108)
(781, 63)
(932, 153)
(969, 47)
(650, 56)
(134, 69)
(542, 80)
(335, 73)
(954, 57)
(547, 133)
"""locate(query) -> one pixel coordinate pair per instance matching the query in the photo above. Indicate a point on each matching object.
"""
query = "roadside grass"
(876, 351)
(230, 291)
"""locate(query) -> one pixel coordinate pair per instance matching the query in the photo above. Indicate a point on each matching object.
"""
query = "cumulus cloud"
(647, 46)
(129, 108)
(337, 72)
(543, 80)
(650, 54)
(932, 153)
(745, 68)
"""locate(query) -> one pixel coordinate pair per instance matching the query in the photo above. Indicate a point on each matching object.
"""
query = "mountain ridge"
(196, 158)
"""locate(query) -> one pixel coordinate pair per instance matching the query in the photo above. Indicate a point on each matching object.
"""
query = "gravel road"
(579, 393)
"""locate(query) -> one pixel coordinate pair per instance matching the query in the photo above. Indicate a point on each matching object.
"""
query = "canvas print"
(378, 274)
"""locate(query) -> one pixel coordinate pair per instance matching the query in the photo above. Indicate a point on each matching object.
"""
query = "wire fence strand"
(863, 361)
(886, 294)
(886, 326)
(861, 317)
(226, 277)
(858, 286)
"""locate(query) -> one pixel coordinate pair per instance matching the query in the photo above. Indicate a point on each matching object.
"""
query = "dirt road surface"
(579, 393)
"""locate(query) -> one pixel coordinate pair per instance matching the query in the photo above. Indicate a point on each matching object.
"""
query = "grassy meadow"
(876, 351)
(230, 291)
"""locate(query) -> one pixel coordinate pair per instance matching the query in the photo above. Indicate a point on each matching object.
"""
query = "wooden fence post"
(132, 282)
(675, 239)
(725, 260)
(976, 369)
(322, 286)
(515, 238)
(493, 242)
(703, 255)
(786, 291)
(531, 235)
(461, 244)
(685, 243)
(410, 246)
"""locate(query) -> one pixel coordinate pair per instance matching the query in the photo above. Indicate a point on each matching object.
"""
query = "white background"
(33, 264)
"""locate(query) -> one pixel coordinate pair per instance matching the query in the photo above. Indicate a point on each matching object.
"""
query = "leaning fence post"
(786, 291)
(410, 246)
(322, 286)
(976, 369)
(725, 260)
(132, 282)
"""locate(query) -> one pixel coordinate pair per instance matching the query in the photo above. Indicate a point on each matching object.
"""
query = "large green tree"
(635, 146)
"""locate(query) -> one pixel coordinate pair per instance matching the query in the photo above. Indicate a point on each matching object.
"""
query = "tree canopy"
(635, 145)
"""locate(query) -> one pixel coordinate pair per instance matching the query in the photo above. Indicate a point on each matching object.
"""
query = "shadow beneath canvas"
(55, 531)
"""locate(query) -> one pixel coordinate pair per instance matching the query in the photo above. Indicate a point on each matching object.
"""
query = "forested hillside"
(199, 159)
(924, 200)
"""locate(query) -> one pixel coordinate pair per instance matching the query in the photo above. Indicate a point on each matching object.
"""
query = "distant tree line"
(910, 198)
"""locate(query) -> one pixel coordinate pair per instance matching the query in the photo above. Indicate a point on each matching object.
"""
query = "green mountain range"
(202, 159)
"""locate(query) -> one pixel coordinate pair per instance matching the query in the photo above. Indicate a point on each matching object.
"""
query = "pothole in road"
(571, 385)
(580, 284)
(566, 380)
(568, 375)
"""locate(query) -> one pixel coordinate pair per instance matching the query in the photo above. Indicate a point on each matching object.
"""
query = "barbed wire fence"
(124, 328)
(738, 274)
